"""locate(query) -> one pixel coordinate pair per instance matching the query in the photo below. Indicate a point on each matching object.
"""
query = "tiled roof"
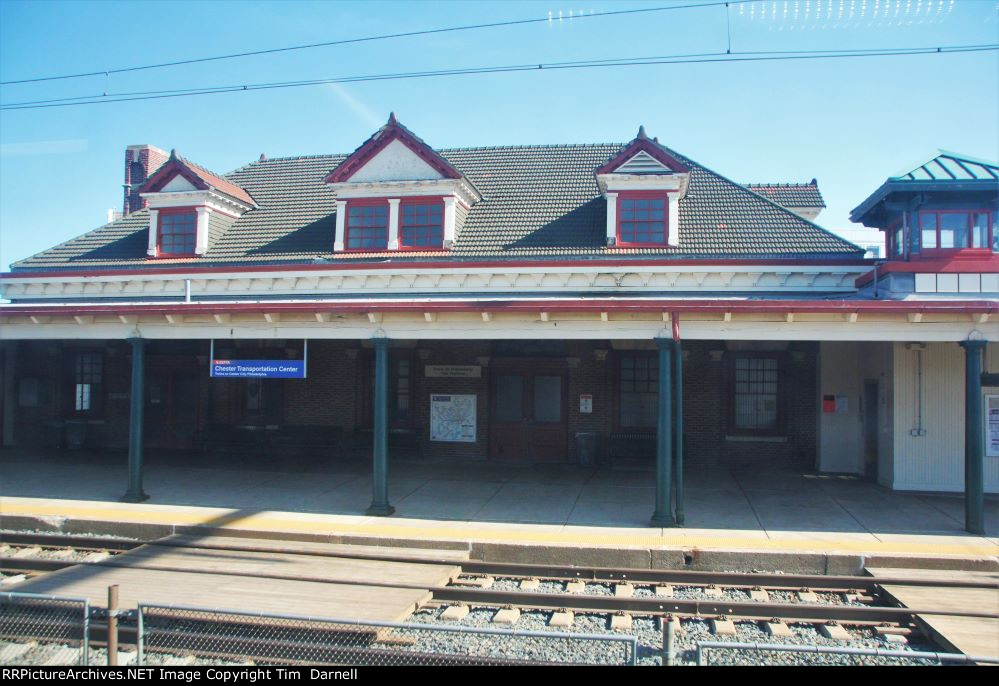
(209, 178)
(790, 194)
(538, 202)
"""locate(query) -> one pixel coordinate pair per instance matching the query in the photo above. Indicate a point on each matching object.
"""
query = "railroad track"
(771, 600)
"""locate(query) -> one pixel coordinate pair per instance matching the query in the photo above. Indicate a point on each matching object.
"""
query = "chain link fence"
(171, 633)
(44, 629)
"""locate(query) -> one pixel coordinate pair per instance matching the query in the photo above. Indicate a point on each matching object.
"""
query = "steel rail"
(69, 541)
(562, 572)
(705, 608)
(601, 603)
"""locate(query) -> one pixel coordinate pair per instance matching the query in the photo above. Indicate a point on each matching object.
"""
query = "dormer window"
(367, 225)
(421, 224)
(396, 193)
(187, 203)
(178, 231)
(643, 185)
(642, 219)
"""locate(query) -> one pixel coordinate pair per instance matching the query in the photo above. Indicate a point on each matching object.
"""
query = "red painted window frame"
(965, 251)
(641, 195)
(167, 211)
(420, 200)
(366, 202)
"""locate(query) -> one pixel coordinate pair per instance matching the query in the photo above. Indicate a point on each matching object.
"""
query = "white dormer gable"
(643, 163)
(178, 184)
(395, 162)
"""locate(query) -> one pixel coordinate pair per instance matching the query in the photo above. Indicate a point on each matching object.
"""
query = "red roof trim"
(436, 265)
(652, 148)
(199, 177)
(393, 131)
(167, 172)
(954, 266)
(576, 305)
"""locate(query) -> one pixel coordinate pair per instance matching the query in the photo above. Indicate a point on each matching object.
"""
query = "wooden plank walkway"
(314, 581)
(969, 635)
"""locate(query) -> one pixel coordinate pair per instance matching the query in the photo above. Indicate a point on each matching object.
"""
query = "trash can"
(586, 448)
(76, 434)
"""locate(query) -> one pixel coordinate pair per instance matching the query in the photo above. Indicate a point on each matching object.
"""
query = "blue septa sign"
(259, 369)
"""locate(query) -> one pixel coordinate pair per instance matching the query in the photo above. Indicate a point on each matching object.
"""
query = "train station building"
(618, 307)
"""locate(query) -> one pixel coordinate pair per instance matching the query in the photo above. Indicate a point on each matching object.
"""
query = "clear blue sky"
(848, 122)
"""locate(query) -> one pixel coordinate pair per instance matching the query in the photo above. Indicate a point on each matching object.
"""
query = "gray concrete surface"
(770, 503)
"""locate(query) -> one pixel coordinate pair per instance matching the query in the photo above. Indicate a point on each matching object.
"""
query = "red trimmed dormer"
(396, 193)
(643, 185)
(185, 200)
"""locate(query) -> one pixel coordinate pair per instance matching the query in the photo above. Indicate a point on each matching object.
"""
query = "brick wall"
(338, 382)
(140, 162)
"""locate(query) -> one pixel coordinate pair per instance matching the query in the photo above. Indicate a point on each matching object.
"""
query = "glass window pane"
(509, 398)
(954, 230)
(980, 230)
(548, 398)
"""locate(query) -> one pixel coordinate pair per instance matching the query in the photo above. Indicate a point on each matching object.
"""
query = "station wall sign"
(453, 371)
(258, 369)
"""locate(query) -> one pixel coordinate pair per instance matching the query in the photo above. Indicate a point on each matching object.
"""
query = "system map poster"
(452, 418)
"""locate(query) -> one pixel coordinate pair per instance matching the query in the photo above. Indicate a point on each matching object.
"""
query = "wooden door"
(172, 401)
(527, 415)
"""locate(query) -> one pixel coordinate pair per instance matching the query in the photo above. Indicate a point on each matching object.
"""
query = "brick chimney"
(140, 162)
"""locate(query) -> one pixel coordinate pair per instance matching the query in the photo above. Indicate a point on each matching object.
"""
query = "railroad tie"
(712, 591)
(31, 551)
(777, 628)
(575, 587)
(759, 595)
(620, 622)
(664, 591)
(530, 584)
(835, 632)
(455, 613)
(624, 590)
(507, 615)
(807, 596)
(562, 619)
(11, 580)
(723, 626)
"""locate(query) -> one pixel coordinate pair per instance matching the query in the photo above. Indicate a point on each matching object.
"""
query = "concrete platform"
(735, 519)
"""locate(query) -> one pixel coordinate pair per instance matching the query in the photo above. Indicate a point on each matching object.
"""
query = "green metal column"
(379, 500)
(678, 431)
(974, 439)
(663, 516)
(135, 494)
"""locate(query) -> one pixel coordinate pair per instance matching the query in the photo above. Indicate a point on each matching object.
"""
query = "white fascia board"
(208, 198)
(676, 183)
(403, 189)
(521, 328)
(498, 268)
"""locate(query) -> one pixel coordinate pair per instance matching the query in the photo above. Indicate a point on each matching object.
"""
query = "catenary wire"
(698, 58)
(387, 36)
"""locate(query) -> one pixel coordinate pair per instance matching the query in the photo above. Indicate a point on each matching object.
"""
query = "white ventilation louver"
(643, 163)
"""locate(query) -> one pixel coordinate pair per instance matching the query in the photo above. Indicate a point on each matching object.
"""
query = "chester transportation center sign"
(259, 369)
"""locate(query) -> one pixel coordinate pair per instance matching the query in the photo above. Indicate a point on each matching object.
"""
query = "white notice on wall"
(452, 418)
(992, 425)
